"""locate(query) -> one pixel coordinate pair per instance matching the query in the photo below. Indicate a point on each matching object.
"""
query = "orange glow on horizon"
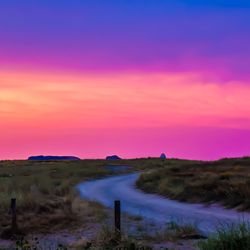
(95, 115)
(134, 99)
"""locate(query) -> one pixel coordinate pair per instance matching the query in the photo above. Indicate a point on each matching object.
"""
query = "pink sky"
(132, 114)
(134, 78)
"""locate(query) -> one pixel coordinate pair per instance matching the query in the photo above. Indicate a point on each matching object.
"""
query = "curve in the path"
(154, 207)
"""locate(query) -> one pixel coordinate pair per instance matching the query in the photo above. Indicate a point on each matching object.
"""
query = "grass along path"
(47, 199)
(226, 181)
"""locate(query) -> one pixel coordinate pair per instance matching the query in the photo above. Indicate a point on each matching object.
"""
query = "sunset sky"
(136, 78)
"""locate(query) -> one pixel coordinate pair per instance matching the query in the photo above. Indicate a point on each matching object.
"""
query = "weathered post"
(118, 218)
(13, 215)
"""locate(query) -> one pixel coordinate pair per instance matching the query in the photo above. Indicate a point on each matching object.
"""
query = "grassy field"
(47, 201)
(226, 181)
(45, 191)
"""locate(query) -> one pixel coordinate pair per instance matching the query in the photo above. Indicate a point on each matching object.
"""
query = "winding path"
(155, 207)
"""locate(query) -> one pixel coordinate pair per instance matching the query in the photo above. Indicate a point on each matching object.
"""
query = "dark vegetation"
(52, 158)
(226, 181)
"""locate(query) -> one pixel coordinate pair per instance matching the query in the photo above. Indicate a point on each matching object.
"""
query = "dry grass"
(46, 198)
(45, 191)
(107, 239)
(232, 237)
(226, 181)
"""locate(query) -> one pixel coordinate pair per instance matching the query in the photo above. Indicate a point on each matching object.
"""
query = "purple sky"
(163, 76)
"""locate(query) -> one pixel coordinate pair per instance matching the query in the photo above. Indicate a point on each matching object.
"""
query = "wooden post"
(132, 246)
(118, 218)
(13, 214)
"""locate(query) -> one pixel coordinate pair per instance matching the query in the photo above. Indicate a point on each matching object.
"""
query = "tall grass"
(232, 237)
(226, 181)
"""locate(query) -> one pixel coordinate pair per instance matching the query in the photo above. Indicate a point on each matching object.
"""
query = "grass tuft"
(231, 237)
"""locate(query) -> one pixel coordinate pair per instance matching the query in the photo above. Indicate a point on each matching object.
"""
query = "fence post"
(118, 218)
(13, 214)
